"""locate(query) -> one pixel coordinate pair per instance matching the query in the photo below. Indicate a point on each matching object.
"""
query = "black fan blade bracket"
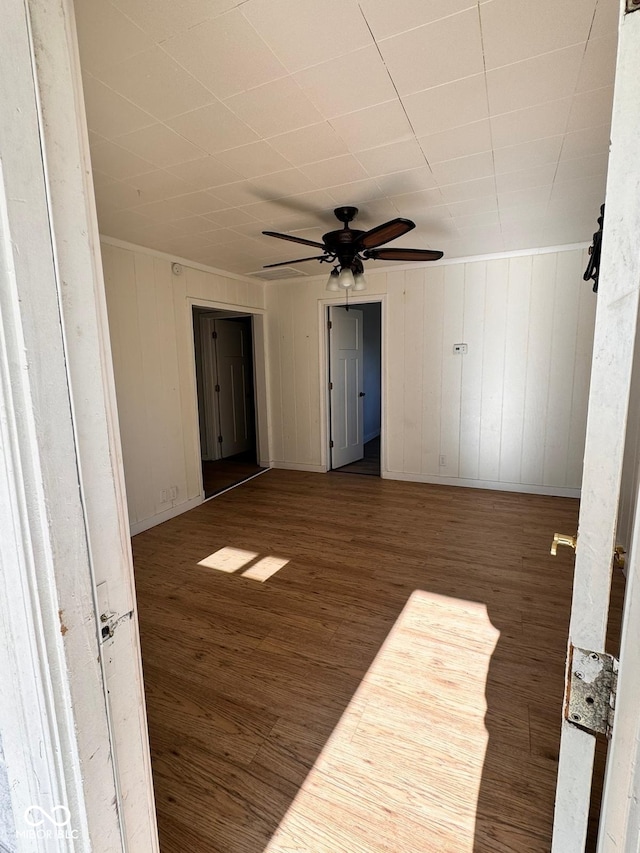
(320, 258)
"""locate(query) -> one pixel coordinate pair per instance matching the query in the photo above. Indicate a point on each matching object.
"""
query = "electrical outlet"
(164, 496)
(443, 460)
(460, 349)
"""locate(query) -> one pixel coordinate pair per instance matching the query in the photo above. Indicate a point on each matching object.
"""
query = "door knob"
(563, 539)
(361, 394)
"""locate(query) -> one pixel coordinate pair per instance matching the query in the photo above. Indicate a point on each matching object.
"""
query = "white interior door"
(346, 378)
(235, 397)
(616, 340)
(210, 448)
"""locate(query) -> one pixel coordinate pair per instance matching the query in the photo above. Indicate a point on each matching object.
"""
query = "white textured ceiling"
(487, 122)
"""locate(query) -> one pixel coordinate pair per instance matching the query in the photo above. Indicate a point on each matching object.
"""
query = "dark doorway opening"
(226, 398)
(369, 462)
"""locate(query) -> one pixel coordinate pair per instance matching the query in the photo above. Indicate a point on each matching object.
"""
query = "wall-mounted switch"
(460, 349)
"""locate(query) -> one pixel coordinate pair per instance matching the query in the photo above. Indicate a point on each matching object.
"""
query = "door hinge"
(331, 444)
(331, 386)
(214, 334)
(593, 681)
(219, 439)
(329, 324)
(217, 388)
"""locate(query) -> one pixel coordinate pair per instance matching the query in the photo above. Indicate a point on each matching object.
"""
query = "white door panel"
(616, 339)
(346, 374)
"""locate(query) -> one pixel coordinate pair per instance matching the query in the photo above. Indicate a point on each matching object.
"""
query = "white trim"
(214, 304)
(523, 488)
(469, 259)
(299, 466)
(165, 256)
(153, 520)
(325, 426)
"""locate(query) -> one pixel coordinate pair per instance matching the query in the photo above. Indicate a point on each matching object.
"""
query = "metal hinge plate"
(217, 388)
(219, 439)
(592, 686)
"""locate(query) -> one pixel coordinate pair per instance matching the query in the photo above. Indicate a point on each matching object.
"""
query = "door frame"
(260, 382)
(325, 403)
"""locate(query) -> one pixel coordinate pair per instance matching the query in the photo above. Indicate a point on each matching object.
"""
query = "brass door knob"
(563, 539)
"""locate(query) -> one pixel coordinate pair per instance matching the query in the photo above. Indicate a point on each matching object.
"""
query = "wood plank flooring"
(395, 687)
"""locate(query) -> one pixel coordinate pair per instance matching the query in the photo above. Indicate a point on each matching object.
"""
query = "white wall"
(151, 333)
(509, 414)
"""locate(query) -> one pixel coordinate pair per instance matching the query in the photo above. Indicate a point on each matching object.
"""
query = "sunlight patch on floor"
(231, 560)
(402, 769)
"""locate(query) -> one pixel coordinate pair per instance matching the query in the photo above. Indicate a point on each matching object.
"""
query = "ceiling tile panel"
(95, 18)
(582, 168)
(157, 84)
(548, 119)
(464, 168)
(309, 144)
(303, 33)
(260, 108)
(160, 145)
(591, 109)
(410, 181)
(448, 106)
(368, 83)
(257, 158)
(511, 31)
(108, 113)
(337, 170)
(164, 18)
(389, 19)
(437, 53)
(581, 144)
(534, 81)
(205, 173)
(355, 192)
(156, 185)
(374, 126)
(397, 157)
(468, 189)
(598, 64)
(457, 142)
(539, 176)
(532, 196)
(226, 55)
(213, 128)
(528, 155)
(117, 162)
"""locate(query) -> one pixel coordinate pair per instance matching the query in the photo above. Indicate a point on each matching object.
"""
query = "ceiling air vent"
(278, 274)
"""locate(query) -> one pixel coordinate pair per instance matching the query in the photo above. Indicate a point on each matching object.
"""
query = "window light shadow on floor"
(231, 560)
(405, 761)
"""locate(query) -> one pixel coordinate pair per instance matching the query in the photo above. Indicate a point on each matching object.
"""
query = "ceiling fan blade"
(295, 239)
(385, 232)
(298, 261)
(403, 254)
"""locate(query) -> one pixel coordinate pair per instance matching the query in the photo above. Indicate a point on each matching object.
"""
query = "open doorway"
(223, 344)
(355, 387)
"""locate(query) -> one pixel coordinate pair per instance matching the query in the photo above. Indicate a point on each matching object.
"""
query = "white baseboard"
(178, 509)
(523, 488)
(298, 466)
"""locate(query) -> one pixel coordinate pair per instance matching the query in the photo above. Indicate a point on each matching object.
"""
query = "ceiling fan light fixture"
(346, 279)
(360, 281)
(332, 281)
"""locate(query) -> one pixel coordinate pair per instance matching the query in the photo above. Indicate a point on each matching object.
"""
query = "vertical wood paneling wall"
(511, 413)
(152, 343)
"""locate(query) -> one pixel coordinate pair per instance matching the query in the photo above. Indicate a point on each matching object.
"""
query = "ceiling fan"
(347, 248)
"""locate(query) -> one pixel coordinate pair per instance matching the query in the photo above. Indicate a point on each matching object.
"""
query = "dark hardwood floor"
(393, 686)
